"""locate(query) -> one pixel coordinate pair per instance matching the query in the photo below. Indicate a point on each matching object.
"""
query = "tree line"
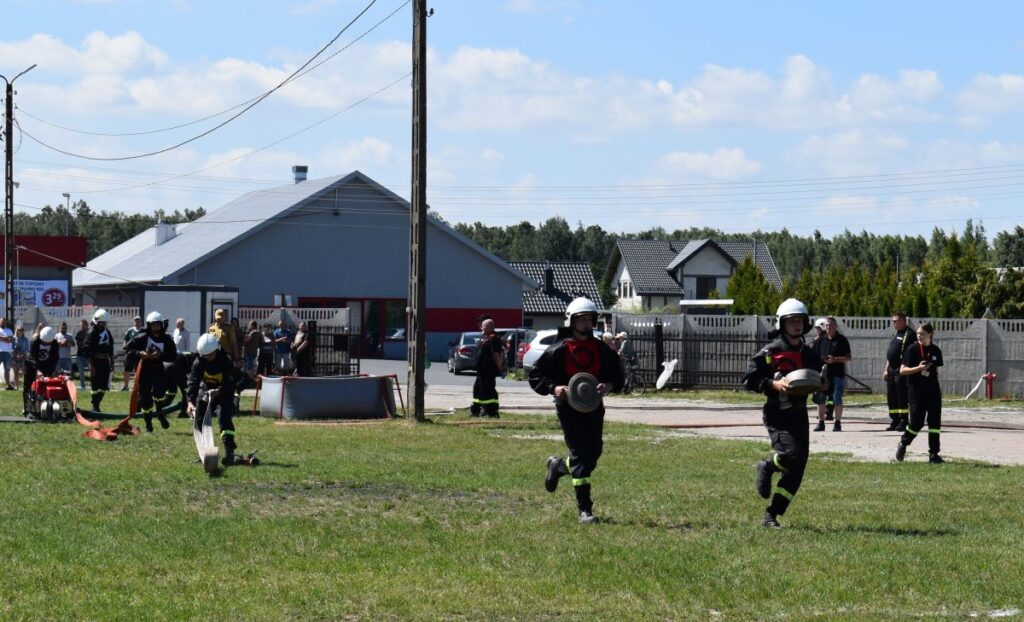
(949, 274)
(103, 230)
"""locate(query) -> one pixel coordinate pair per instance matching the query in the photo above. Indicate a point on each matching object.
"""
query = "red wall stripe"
(442, 320)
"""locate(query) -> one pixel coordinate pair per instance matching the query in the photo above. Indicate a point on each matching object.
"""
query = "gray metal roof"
(571, 279)
(650, 262)
(139, 259)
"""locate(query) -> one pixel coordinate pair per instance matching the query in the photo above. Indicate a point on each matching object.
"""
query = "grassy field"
(449, 521)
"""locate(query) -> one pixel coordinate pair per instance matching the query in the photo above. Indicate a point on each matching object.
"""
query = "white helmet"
(48, 334)
(207, 344)
(154, 317)
(100, 315)
(580, 306)
(821, 322)
(789, 308)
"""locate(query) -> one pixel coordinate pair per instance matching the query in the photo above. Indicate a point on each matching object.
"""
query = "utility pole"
(9, 205)
(417, 349)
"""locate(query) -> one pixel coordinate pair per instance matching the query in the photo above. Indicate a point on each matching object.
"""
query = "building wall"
(624, 284)
(707, 263)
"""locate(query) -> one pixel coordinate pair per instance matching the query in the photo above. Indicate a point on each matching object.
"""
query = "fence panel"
(712, 351)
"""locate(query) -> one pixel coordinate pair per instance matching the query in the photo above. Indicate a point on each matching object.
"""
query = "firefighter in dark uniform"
(921, 366)
(895, 382)
(43, 355)
(99, 349)
(785, 415)
(211, 385)
(155, 347)
(577, 351)
(488, 367)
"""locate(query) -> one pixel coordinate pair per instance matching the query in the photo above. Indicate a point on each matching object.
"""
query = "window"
(705, 285)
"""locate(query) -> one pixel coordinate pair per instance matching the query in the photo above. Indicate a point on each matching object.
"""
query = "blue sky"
(888, 117)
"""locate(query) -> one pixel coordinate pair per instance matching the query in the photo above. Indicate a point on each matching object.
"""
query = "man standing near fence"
(835, 350)
(896, 383)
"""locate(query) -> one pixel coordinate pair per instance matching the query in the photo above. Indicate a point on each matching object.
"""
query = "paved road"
(992, 435)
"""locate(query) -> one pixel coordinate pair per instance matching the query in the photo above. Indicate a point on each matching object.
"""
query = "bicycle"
(634, 383)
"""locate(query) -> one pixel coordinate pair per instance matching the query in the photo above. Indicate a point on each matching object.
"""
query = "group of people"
(911, 372)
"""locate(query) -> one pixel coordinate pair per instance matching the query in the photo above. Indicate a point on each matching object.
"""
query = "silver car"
(462, 353)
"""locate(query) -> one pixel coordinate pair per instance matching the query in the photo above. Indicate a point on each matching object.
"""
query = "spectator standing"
(64, 343)
(251, 346)
(225, 334)
(265, 364)
(6, 352)
(239, 343)
(19, 355)
(488, 367)
(283, 348)
(182, 338)
(896, 383)
(835, 351)
(131, 357)
(81, 360)
(302, 348)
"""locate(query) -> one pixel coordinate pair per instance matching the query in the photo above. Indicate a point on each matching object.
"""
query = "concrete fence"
(713, 350)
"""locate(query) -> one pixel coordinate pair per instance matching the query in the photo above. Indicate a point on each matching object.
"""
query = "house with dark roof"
(340, 241)
(560, 282)
(648, 274)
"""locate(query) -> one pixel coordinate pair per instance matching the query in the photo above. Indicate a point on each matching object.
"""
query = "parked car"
(462, 352)
(541, 341)
(513, 341)
(523, 346)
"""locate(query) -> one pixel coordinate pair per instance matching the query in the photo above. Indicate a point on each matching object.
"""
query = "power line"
(216, 127)
(227, 110)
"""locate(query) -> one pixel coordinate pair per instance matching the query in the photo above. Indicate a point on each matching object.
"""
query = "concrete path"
(993, 435)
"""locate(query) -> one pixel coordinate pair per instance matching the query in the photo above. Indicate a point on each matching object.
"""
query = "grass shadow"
(903, 532)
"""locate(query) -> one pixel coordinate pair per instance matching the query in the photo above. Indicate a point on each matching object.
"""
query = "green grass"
(394, 521)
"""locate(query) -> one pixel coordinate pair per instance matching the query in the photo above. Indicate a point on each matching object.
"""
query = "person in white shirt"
(64, 343)
(182, 338)
(6, 348)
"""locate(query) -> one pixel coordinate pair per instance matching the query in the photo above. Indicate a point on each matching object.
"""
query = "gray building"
(561, 282)
(648, 274)
(335, 242)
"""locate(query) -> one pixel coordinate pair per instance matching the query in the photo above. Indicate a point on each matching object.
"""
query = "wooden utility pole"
(9, 205)
(417, 350)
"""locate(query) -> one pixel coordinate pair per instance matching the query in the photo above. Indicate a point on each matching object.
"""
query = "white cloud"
(989, 94)
(99, 53)
(848, 153)
(359, 154)
(723, 164)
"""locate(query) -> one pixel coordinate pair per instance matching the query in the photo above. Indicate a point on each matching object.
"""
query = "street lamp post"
(68, 197)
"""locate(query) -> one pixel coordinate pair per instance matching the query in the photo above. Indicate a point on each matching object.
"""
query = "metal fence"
(335, 350)
(712, 350)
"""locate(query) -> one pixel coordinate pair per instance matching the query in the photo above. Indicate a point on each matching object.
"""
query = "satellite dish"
(665, 375)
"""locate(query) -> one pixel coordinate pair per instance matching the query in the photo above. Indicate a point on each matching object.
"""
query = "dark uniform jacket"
(898, 346)
(488, 347)
(44, 356)
(145, 342)
(782, 358)
(568, 357)
(928, 380)
(99, 344)
(220, 373)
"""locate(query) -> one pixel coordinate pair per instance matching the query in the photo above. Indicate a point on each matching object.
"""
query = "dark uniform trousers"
(224, 410)
(925, 405)
(485, 394)
(896, 395)
(152, 386)
(100, 380)
(789, 433)
(582, 433)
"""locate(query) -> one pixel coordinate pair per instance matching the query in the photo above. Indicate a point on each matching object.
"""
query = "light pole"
(9, 206)
(68, 197)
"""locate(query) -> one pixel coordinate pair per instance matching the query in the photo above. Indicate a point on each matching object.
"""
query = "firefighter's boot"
(556, 469)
